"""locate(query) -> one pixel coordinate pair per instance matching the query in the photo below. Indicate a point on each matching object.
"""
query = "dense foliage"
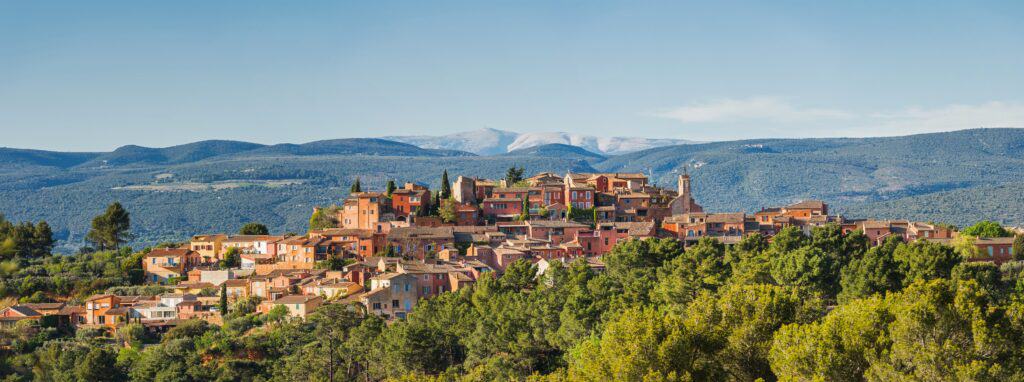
(253, 228)
(111, 229)
(48, 278)
(798, 308)
(25, 239)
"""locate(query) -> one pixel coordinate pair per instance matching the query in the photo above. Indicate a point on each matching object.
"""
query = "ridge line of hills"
(173, 192)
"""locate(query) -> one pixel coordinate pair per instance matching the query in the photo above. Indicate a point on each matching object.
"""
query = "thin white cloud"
(732, 117)
(772, 109)
(950, 117)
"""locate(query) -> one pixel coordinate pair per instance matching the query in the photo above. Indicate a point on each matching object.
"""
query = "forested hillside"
(173, 202)
(823, 307)
(958, 177)
(850, 174)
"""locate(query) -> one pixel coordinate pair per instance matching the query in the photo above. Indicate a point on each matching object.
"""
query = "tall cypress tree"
(446, 186)
(390, 188)
(435, 204)
(223, 299)
(356, 187)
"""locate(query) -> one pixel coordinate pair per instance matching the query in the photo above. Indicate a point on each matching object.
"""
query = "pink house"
(580, 197)
(502, 208)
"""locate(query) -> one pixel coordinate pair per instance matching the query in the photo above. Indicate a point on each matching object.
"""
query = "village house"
(432, 278)
(363, 210)
(11, 315)
(472, 190)
(252, 244)
(555, 232)
(213, 276)
(409, 200)
(192, 287)
(605, 236)
(302, 252)
(209, 247)
(54, 314)
(162, 264)
(110, 311)
(298, 305)
(165, 308)
(995, 249)
(580, 197)
(197, 309)
(724, 226)
(259, 263)
(237, 289)
(502, 209)
(467, 215)
(361, 242)
(391, 295)
(419, 242)
(331, 289)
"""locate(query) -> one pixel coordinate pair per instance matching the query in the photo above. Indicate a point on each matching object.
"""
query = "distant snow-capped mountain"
(492, 142)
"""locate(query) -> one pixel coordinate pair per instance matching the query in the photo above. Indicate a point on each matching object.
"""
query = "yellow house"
(209, 247)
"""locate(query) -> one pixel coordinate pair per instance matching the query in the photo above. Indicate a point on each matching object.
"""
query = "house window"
(376, 306)
(426, 290)
(394, 304)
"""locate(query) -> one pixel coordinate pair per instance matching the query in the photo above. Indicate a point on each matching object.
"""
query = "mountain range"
(217, 186)
(492, 142)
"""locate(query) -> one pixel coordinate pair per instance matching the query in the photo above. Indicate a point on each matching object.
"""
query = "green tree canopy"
(876, 272)
(111, 229)
(514, 175)
(987, 229)
(390, 187)
(446, 186)
(356, 186)
(254, 229)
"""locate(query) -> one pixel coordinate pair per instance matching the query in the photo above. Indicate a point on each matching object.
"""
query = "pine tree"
(254, 229)
(513, 175)
(110, 229)
(42, 239)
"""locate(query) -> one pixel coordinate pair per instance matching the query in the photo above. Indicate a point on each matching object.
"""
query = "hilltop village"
(385, 250)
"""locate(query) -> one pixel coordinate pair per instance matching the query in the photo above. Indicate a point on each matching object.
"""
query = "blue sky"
(94, 75)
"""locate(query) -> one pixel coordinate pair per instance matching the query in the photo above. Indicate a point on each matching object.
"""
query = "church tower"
(684, 186)
(684, 202)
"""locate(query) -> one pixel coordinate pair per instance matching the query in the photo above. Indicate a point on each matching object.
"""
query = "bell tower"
(684, 184)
